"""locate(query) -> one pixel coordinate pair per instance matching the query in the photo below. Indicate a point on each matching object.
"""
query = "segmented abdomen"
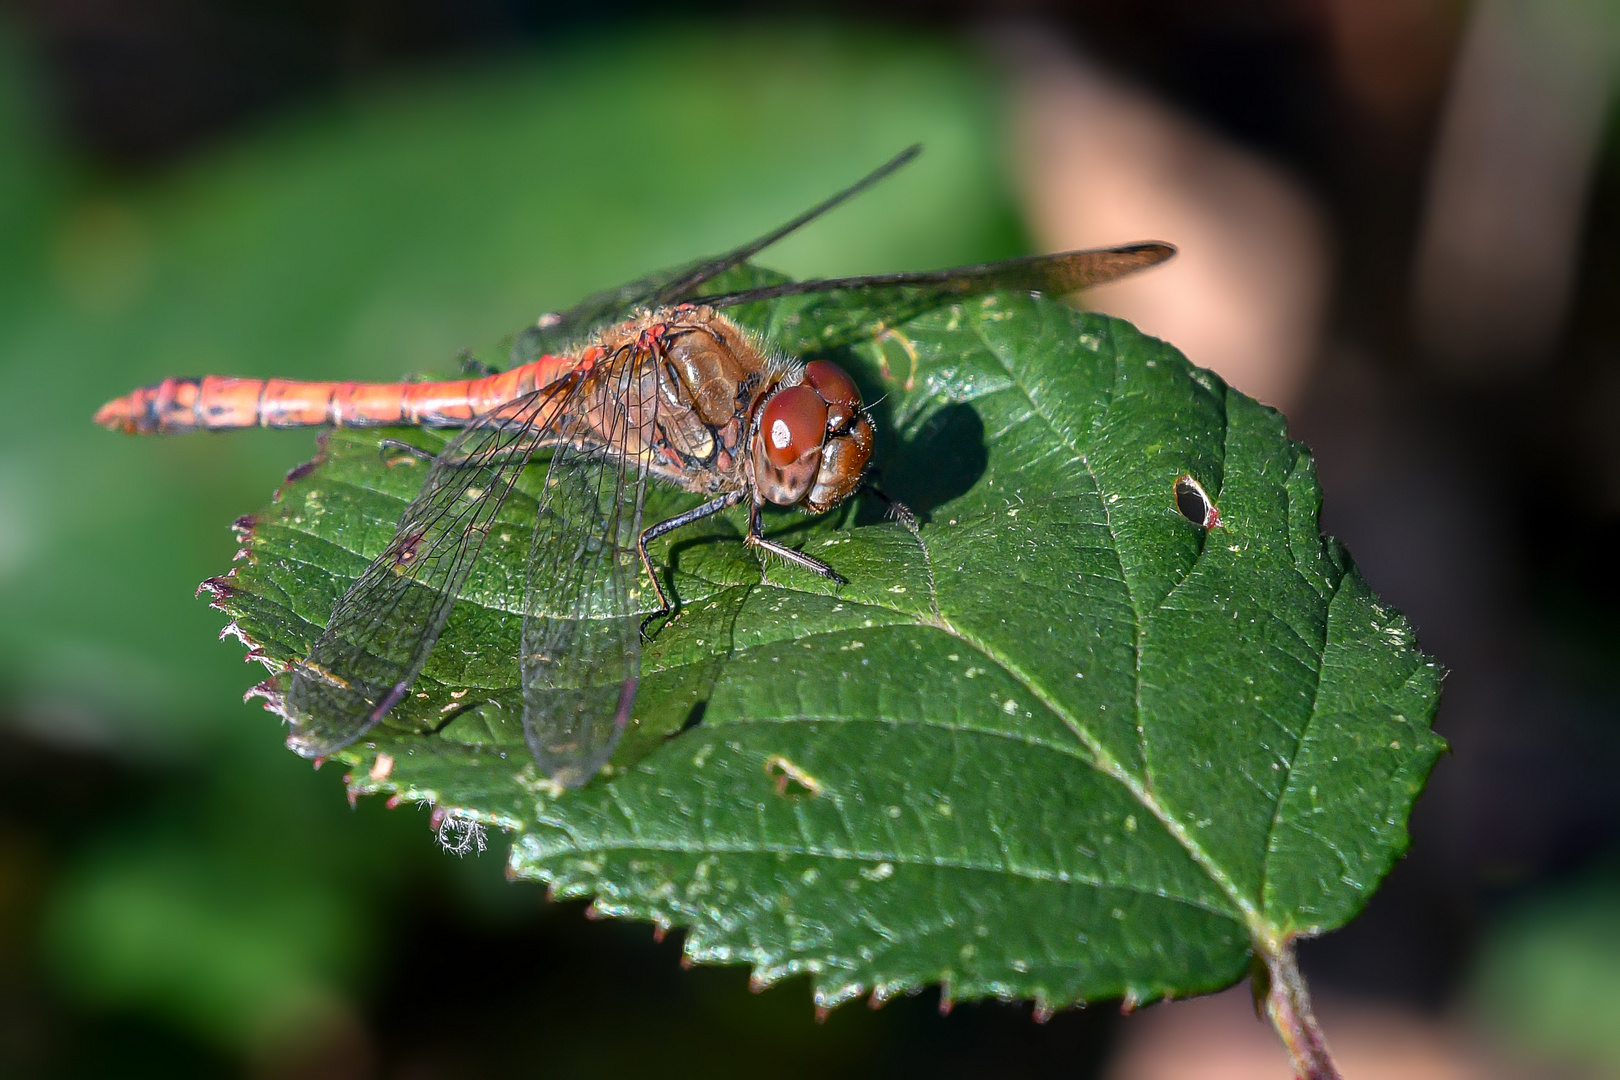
(218, 402)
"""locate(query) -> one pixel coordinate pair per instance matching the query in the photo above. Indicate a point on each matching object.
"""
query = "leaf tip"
(274, 698)
(234, 629)
(219, 589)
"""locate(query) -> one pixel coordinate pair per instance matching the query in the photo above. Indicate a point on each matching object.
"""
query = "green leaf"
(1061, 744)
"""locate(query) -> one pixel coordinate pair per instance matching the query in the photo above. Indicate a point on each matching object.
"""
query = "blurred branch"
(1507, 195)
(1281, 993)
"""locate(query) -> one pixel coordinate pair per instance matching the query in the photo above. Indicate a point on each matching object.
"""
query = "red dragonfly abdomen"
(219, 402)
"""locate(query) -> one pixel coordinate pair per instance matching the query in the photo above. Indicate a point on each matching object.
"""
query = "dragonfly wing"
(554, 333)
(383, 628)
(1058, 274)
(581, 625)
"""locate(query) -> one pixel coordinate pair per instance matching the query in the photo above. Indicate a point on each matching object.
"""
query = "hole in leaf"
(1195, 504)
(790, 779)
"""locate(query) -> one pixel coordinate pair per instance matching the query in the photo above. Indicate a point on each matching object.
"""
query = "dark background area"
(1486, 508)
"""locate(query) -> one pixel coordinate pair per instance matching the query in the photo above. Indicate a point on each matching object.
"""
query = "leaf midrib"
(1259, 929)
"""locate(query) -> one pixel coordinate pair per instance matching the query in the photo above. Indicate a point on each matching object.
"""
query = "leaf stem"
(1287, 1003)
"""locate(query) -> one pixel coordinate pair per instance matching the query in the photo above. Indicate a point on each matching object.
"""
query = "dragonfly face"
(811, 442)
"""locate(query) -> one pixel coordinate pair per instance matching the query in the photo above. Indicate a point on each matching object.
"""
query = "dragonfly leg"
(653, 532)
(897, 509)
(756, 538)
(472, 366)
(403, 447)
(495, 456)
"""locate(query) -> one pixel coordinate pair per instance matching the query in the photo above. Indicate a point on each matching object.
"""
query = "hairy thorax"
(708, 377)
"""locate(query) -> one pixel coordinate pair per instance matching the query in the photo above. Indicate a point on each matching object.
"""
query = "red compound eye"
(835, 387)
(794, 422)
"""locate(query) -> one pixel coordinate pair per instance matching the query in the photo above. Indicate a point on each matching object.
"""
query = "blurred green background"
(179, 895)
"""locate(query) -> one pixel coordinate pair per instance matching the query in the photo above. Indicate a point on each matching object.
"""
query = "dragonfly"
(651, 381)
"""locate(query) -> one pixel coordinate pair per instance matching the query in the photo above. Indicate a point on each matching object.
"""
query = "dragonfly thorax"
(733, 415)
(713, 367)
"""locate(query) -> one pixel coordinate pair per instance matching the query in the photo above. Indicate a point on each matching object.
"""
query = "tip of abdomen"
(119, 414)
(168, 408)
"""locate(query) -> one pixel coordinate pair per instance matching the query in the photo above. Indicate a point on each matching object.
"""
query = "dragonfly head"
(812, 441)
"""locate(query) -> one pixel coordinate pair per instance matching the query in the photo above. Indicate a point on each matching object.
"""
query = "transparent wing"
(581, 624)
(383, 628)
(555, 332)
(1058, 274)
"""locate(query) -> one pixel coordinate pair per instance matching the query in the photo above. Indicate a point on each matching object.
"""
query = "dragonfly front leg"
(708, 509)
(756, 538)
(898, 510)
